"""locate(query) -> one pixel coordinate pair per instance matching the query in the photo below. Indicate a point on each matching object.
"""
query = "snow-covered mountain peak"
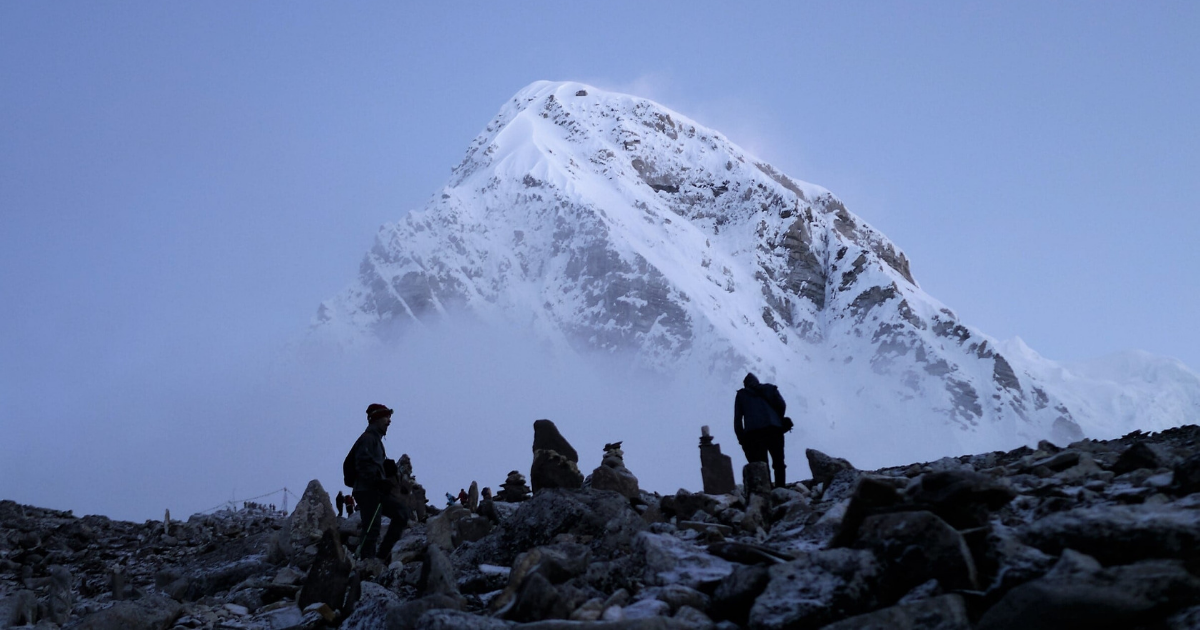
(609, 223)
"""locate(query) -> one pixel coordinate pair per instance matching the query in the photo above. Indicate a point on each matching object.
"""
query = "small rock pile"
(514, 489)
(612, 474)
(1102, 534)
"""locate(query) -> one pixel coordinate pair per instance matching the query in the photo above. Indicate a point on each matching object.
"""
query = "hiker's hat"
(376, 410)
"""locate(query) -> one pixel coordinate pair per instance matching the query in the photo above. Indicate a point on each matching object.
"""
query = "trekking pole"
(368, 532)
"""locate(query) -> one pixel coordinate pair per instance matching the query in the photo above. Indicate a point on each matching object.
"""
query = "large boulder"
(947, 612)
(437, 574)
(1120, 534)
(962, 498)
(817, 588)
(547, 438)
(916, 547)
(612, 474)
(824, 467)
(525, 598)
(670, 560)
(1187, 475)
(756, 479)
(716, 468)
(329, 578)
(372, 608)
(602, 517)
(313, 515)
(148, 613)
(441, 530)
(1080, 593)
(872, 495)
(1142, 455)
(735, 595)
(553, 470)
(446, 619)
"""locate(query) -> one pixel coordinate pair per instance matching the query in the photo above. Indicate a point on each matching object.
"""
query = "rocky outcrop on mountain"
(1096, 534)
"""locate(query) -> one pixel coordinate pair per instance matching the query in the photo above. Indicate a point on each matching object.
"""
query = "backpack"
(770, 393)
(349, 470)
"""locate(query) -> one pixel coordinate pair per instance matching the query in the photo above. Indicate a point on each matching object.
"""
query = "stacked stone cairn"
(716, 469)
(1096, 534)
(555, 462)
(410, 493)
(612, 474)
(514, 489)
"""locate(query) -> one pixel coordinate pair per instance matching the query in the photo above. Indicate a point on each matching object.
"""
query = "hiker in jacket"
(758, 423)
(373, 489)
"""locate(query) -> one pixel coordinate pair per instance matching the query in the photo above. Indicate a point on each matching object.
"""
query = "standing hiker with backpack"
(365, 470)
(759, 423)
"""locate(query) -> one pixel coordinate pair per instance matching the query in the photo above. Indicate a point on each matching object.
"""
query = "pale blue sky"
(182, 183)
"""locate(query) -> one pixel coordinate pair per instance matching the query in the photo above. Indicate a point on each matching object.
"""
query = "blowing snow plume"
(611, 226)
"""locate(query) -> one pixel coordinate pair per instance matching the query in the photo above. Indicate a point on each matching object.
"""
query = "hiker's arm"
(369, 462)
(739, 415)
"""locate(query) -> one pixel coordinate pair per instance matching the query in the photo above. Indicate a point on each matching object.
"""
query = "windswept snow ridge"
(609, 223)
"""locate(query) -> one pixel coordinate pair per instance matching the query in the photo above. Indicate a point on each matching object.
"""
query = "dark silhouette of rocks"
(1095, 534)
(514, 489)
(825, 468)
(612, 474)
(554, 460)
(716, 469)
(546, 437)
(756, 479)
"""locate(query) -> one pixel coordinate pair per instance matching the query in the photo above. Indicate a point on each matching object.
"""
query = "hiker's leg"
(368, 507)
(754, 446)
(775, 446)
(398, 515)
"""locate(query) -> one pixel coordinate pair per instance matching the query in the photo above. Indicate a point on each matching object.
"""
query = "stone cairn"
(716, 469)
(612, 474)
(514, 489)
(410, 493)
(555, 462)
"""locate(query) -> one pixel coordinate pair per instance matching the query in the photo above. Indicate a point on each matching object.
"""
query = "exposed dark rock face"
(612, 474)
(554, 459)
(716, 468)
(1093, 534)
(756, 479)
(825, 467)
(947, 612)
(546, 437)
(916, 547)
(1080, 593)
(552, 470)
(329, 577)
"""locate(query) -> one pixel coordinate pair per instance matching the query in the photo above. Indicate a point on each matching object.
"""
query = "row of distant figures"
(253, 504)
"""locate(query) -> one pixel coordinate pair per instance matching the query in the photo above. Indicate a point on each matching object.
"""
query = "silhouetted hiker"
(758, 422)
(349, 505)
(365, 471)
(341, 503)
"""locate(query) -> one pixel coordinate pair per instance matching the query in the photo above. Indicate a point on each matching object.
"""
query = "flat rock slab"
(1119, 534)
(670, 560)
(1079, 593)
(817, 588)
(151, 613)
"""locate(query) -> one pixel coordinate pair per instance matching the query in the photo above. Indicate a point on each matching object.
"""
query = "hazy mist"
(201, 432)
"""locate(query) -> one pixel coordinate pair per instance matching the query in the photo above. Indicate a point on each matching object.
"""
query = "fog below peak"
(196, 432)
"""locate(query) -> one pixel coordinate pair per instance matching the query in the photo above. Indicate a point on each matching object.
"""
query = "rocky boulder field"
(1099, 534)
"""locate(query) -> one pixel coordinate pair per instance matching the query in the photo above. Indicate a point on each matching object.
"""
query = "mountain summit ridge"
(610, 223)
